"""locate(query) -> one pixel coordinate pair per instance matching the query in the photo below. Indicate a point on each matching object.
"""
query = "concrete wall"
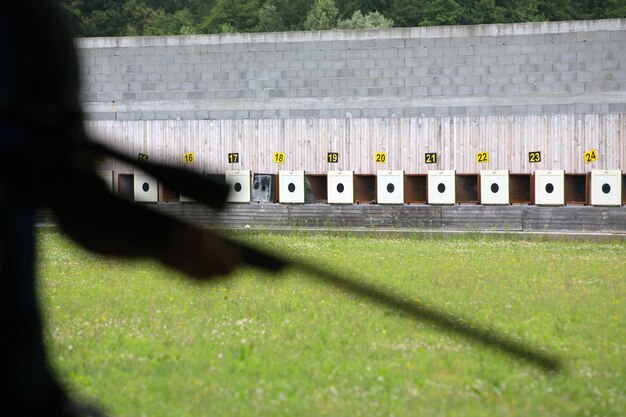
(488, 70)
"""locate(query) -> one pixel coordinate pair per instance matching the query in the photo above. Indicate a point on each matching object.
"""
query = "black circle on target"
(549, 188)
(145, 187)
(237, 187)
(441, 188)
(291, 187)
(340, 188)
(495, 188)
(606, 188)
(390, 188)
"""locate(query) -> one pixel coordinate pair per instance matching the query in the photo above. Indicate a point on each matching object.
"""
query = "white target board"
(390, 187)
(291, 187)
(494, 187)
(606, 187)
(107, 176)
(146, 188)
(239, 186)
(441, 187)
(550, 187)
(340, 187)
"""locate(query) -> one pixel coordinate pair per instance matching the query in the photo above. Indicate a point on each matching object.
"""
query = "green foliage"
(610, 9)
(108, 22)
(140, 17)
(162, 23)
(348, 7)
(406, 13)
(322, 16)
(292, 12)
(235, 15)
(481, 11)
(137, 15)
(441, 12)
(372, 20)
(519, 10)
(73, 11)
(555, 9)
(270, 19)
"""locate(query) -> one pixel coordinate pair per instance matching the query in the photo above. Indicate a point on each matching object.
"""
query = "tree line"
(185, 17)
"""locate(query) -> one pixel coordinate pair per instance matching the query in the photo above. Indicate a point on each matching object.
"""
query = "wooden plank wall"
(562, 140)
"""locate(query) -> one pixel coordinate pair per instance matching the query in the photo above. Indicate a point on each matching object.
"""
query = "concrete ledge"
(516, 29)
(342, 106)
(533, 220)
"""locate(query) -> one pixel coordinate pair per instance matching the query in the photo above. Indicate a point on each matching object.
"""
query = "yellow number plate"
(279, 157)
(591, 156)
(188, 158)
(380, 157)
(482, 157)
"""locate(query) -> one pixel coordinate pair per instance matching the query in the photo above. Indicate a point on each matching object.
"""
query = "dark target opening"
(606, 188)
(145, 187)
(495, 188)
(549, 188)
(390, 188)
(237, 187)
(291, 187)
(441, 188)
(340, 188)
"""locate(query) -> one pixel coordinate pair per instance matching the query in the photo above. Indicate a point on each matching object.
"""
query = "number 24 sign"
(591, 156)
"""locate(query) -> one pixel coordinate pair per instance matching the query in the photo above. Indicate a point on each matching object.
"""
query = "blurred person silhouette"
(41, 123)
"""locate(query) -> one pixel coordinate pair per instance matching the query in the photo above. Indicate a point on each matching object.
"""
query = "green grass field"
(145, 342)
